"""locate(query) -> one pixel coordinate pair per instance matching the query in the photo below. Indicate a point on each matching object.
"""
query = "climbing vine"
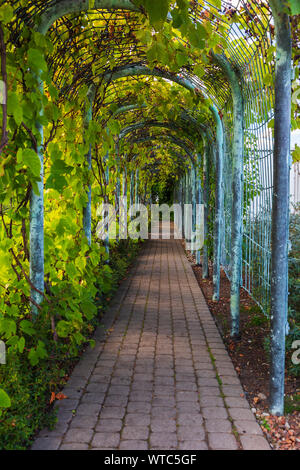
(67, 93)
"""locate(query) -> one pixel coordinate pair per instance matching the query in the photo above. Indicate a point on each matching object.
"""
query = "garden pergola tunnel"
(97, 50)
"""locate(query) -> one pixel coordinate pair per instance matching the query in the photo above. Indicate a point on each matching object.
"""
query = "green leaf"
(8, 327)
(36, 60)
(296, 154)
(38, 353)
(196, 36)
(4, 399)
(32, 161)
(177, 18)
(157, 52)
(56, 181)
(217, 3)
(51, 112)
(63, 328)
(53, 92)
(6, 13)
(157, 10)
(33, 357)
(14, 107)
(295, 7)
(181, 58)
(144, 35)
(79, 338)
(21, 344)
(27, 327)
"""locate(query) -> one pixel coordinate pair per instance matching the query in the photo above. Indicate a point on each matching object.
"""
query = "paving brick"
(82, 435)
(81, 421)
(163, 401)
(88, 409)
(74, 446)
(46, 443)
(222, 441)
(112, 412)
(214, 413)
(106, 440)
(135, 432)
(240, 413)
(237, 402)
(167, 424)
(209, 392)
(248, 427)
(211, 401)
(254, 443)
(93, 397)
(208, 382)
(67, 404)
(207, 374)
(187, 396)
(218, 425)
(133, 445)
(139, 407)
(186, 433)
(232, 390)
(163, 440)
(109, 425)
(229, 380)
(97, 387)
(190, 419)
(116, 400)
(161, 411)
(192, 445)
(137, 419)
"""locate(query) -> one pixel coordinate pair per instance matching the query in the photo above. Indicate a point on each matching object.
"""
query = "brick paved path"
(159, 376)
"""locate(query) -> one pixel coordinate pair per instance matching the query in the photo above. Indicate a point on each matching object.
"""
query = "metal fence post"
(280, 208)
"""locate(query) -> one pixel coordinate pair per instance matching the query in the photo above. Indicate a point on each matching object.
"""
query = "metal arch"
(174, 140)
(139, 69)
(142, 69)
(146, 124)
(185, 116)
(64, 7)
(189, 145)
(235, 284)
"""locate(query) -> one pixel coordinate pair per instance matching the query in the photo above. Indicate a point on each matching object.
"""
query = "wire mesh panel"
(258, 158)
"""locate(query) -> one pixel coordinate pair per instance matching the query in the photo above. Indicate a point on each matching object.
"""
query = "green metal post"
(199, 200)
(131, 192)
(123, 207)
(237, 192)
(205, 271)
(106, 241)
(136, 190)
(280, 208)
(87, 211)
(194, 207)
(219, 203)
(36, 231)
